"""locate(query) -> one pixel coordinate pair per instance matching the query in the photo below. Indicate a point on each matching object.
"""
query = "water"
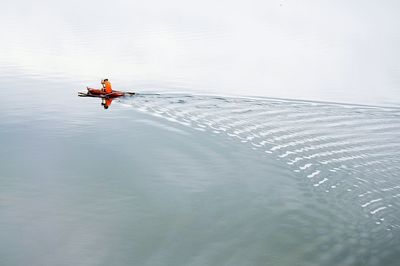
(172, 179)
(200, 177)
(339, 51)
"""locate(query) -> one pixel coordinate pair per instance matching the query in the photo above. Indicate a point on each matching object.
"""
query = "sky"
(341, 51)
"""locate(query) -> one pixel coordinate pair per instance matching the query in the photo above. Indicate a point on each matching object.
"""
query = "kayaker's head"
(105, 106)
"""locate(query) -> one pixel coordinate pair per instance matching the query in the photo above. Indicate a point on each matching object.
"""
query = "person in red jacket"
(106, 85)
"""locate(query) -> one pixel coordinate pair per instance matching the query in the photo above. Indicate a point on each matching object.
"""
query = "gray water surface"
(172, 179)
(340, 51)
(187, 173)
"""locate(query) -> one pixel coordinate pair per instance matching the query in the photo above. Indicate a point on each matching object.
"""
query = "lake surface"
(179, 179)
(302, 169)
(332, 51)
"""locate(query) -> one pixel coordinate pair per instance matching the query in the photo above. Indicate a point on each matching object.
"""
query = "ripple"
(349, 150)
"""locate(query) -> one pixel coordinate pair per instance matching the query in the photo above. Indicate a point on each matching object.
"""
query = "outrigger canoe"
(102, 94)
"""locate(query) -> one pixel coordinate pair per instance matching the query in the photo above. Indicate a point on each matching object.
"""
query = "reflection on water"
(105, 101)
(336, 51)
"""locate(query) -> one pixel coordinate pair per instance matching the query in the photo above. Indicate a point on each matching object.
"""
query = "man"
(106, 86)
(106, 102)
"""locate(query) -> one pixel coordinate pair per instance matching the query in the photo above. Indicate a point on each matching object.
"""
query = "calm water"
(172, 179)
(167, 178)
(337, 51)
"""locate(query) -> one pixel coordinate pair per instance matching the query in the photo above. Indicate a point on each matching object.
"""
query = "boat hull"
(101, 93)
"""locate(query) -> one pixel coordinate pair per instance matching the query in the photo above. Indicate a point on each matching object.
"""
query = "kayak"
(103, 94)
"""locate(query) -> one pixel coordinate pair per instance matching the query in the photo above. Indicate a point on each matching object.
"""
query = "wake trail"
(335, 148)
